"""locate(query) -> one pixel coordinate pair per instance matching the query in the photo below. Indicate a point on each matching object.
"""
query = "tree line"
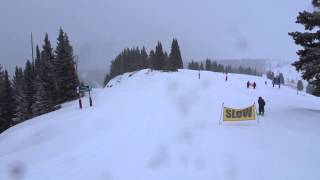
(133, 59)
(38, 88)
(210, 65)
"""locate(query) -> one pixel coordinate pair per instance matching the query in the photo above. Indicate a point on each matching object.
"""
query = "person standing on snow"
(273, 82)
(248, 84)
(261, 103)
(254, 85)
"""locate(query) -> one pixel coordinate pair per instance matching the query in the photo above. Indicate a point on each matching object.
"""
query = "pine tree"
(214, 66)
(309, 57)
(44, 80)
(208, 65)
(3, 121)
(42, 102)
(190, 65)
(65, 73)
(175, 59)
(300, 85)
(20, 99)
(37, 60)
(144, 57)
(152, 58)
(7, 109)
(196, 66)
(167, 64)
(159, 58)
(201, 66)
(29, 92)
(45, 71)
(270, 75)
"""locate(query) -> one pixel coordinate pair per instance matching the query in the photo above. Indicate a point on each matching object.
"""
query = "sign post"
(80, 103)
(222, 107)
(81, 90)
(90, 99)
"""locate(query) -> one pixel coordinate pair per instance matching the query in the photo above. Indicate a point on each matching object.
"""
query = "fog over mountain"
(100, 29)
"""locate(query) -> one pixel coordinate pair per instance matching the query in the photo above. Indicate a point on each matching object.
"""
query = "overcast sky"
(100, 29)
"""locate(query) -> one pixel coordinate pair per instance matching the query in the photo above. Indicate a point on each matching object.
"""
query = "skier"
(261, 103)
(279, 82)
(248, 84)
(273, 81)
(254, 85)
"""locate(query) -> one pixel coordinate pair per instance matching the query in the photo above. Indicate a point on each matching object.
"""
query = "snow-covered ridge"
(156, 125)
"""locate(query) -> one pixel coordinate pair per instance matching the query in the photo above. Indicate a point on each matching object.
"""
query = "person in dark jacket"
(261, 103)
(273, 82)
(248, 84)
(254, 85)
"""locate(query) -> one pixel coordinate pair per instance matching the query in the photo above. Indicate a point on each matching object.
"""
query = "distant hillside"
(259, 64)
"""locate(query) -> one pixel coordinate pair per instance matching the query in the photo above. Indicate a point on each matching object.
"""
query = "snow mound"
(156, 125)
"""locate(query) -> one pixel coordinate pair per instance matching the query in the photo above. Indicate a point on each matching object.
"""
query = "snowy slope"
(164, 126)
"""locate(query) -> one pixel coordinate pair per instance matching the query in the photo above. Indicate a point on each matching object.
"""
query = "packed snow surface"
(165, 126)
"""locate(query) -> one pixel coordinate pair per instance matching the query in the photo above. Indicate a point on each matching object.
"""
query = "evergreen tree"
(300, 85)
(220, 68)
(7, 109)
(65, 73)
(167, 64)
(175, 59)
(107, 78)
(228, 69)
(152, 59)
(45, 70)
(309, 57)
(159, 58)
(191, 65)
(241, 70)
(208, 65)
(29, 92)
(42, 102)
(37, 60)
(20, 99)
(3, 122)
(144, 57)
(196, 66)
(201, 66)
(270, 75)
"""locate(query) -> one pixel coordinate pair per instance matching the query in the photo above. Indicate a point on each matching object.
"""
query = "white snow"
(165, 126)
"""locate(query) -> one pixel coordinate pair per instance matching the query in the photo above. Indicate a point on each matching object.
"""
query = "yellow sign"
(246, 114)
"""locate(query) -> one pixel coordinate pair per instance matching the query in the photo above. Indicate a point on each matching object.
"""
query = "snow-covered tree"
(21, 103)
(65, 73)
(175, 59)
(309, 57)
(7, 109)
